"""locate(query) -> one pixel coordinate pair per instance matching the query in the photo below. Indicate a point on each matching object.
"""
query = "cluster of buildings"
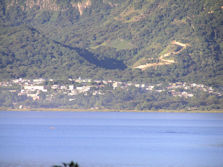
(186, 90)
(34, 88)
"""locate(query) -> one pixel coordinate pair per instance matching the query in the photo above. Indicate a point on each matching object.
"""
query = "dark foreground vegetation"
(71, 164)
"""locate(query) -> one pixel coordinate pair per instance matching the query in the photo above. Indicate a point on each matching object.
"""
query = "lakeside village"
(39, 89)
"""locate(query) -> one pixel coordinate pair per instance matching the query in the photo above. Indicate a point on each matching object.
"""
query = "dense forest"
(148, 41)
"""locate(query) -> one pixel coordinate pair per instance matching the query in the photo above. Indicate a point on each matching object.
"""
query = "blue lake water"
(111, 139)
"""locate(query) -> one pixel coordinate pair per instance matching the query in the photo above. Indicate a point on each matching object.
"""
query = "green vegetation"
(71, 164)
(119, 35)
(118, 44)
(106, 39)
(109, 95)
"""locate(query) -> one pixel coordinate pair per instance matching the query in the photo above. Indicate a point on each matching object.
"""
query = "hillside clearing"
(163, 58)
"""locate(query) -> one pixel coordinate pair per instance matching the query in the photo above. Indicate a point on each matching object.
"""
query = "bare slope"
(163, 59)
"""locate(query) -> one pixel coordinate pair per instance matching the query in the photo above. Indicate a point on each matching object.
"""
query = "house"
(54, 86)
(71, 87)
(38, 81)
(137, 85)
(63, 87)
(33, 96)
(143, 86)
(116, 84)
(34, 88)
(83, 89)
(150, 88)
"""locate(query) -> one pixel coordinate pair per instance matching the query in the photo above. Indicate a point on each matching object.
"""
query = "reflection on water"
(111, 139)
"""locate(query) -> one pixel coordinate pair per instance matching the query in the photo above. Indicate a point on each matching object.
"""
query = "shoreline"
(107, 110)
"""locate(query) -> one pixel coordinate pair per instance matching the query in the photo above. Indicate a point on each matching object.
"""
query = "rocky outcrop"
(12, 3)
(43, 4)
(82, 5)
(49, 5)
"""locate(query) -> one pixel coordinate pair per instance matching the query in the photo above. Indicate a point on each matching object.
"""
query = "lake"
(111, 139)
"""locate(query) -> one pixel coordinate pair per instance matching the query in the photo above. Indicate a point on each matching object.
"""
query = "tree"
(71, 164)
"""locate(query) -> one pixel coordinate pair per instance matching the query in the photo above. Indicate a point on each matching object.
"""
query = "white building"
(83, 89)
(71, 87)
(34, 88)
(38, 81)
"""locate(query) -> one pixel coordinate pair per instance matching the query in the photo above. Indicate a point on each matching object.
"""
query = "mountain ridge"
(132, 32)
(136, 54)
(51, 5)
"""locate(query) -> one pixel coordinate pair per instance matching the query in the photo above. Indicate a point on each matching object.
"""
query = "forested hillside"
(148, 41)
(122, 35)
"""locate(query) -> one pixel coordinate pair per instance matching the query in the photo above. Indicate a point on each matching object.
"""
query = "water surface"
(111, 139)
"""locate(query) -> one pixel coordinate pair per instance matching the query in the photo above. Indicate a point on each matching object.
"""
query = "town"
(35, 87)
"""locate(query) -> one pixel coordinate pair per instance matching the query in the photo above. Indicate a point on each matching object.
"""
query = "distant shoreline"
(108, 110)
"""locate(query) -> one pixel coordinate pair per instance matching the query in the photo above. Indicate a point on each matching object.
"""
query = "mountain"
(167, 43)
(149, 40)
